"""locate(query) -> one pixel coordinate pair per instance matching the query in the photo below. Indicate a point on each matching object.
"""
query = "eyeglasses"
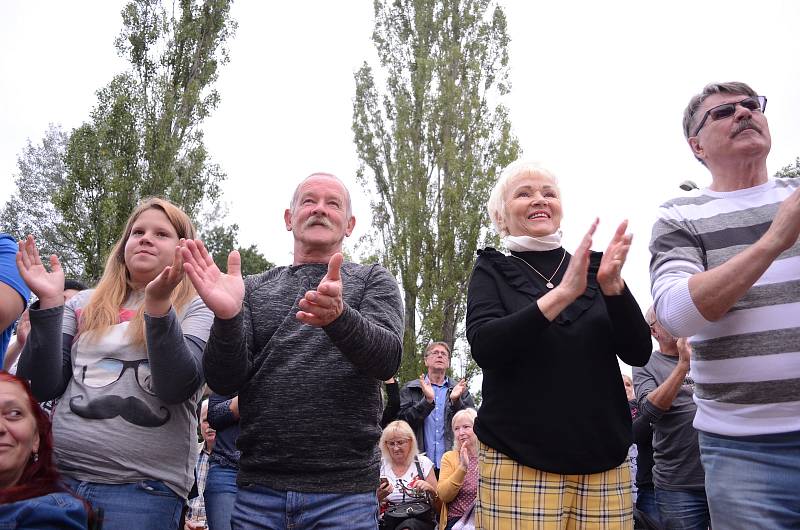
(109, 370)
(436, 353)
(397, 443)
(726, 110)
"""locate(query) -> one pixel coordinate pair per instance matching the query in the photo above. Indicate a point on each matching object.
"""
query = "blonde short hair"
(400, 429)
(467, 412)
(497, 200)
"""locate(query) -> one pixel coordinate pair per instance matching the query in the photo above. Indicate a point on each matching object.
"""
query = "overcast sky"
(598, 90)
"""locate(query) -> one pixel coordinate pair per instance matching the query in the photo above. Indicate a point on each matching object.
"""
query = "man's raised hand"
(222, 293)
(324, 305)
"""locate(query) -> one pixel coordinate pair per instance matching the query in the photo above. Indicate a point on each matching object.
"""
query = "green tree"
(144, 135)
(790, 170)
(221, 239)
(30, 210)
(431, 137)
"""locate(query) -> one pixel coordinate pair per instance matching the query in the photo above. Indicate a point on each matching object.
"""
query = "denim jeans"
(219, 496)
(143, 505)
(646, 502)
(260, 507)
(683, 510)
(752, 481)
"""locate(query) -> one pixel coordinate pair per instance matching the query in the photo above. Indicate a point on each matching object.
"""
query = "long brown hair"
(115, 286)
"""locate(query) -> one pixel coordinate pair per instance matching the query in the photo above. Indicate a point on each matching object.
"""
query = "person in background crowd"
(14, 293)
(532, 317)
(196, 515)
(309, 451)
(125, 361)
(221, 489)
(633, 450)
(409, 475)
(71, 288)
(666, 399)
(458, 480)
(31, 494)
(645, 491)
(428, 404)
(724, 271)
(392, 402)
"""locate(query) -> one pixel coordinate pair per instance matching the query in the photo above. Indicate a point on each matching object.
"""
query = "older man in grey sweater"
(306, 347)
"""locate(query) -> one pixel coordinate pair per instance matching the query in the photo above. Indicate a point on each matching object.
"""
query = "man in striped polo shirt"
(725, 271)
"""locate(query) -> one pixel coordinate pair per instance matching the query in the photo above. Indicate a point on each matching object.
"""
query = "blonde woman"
(458, 478)
(409, 475)
(125, 361)
(534, 315)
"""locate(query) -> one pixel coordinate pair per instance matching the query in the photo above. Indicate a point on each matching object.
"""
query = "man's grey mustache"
(318, 220)
(744, 125)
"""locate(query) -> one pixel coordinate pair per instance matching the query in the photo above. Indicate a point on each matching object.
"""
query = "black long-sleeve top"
(553, 397)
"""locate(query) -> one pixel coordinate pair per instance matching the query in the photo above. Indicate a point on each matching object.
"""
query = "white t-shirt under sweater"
(403, 486)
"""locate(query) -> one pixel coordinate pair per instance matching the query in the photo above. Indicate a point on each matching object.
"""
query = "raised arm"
(371, 337)
(226, 358)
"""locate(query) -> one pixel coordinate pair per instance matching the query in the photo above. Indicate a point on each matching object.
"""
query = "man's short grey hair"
(296, 194)
(732, 87)
(432, 345)
(497, 203)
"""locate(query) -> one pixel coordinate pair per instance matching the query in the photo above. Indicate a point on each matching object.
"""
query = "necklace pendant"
(549, 285)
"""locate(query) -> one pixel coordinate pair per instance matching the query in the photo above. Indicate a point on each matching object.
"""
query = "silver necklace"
(549, 280)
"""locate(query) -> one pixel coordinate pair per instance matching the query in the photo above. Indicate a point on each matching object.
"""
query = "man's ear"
(697, 149)
(351, 223)
(287, 218)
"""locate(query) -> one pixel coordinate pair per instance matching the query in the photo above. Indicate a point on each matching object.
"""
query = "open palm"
(48, 286)
(222, 293)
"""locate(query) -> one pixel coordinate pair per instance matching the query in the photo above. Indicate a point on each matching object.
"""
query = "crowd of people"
(99, 424)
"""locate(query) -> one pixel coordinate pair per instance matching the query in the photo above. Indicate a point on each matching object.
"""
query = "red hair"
(40, 476)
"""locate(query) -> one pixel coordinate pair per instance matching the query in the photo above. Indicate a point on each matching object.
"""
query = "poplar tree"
(432, 134)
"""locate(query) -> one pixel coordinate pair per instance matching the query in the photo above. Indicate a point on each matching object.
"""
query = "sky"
(598, 92)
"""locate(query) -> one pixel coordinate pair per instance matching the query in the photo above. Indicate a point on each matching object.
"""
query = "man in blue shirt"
(429, 403)
(14, 293)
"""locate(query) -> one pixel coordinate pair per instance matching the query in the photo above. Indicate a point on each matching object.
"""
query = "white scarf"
(525, 243)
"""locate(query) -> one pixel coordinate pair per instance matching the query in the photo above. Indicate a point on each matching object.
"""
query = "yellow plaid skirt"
(512, 496)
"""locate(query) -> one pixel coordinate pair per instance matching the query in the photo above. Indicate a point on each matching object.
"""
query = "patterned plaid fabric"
(197, 506)
(512, 496)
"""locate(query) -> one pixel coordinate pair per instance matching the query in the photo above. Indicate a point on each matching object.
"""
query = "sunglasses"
(726, 110)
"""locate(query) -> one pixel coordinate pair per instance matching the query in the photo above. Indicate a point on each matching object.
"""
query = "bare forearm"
(554, 302)
(715, 291)
(663, 396)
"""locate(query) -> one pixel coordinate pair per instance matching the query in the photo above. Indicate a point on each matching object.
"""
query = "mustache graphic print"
(131, 409)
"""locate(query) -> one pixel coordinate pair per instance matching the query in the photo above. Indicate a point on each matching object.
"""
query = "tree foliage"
(431, 136)
(30, 209)
(790, 170)
(222, 239)
(143, 137)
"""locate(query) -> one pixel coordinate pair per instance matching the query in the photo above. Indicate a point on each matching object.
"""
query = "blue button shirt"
(435, 424)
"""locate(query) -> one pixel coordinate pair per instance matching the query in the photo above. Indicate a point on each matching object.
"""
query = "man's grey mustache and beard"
(318, 220)
(744, 125)
(130, 409)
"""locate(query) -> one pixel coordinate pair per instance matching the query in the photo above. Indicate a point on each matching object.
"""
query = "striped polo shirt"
(745, 366)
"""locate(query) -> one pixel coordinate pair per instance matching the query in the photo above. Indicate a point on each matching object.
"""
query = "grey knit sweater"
(309, 397)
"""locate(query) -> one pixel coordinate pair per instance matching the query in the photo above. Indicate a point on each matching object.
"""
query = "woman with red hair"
(31, 494)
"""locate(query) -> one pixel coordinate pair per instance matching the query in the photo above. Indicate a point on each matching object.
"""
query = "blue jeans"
(219, 496)
(260, 507)
(646, 502)
(683, 510)
(143, 505)
(752, 481)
